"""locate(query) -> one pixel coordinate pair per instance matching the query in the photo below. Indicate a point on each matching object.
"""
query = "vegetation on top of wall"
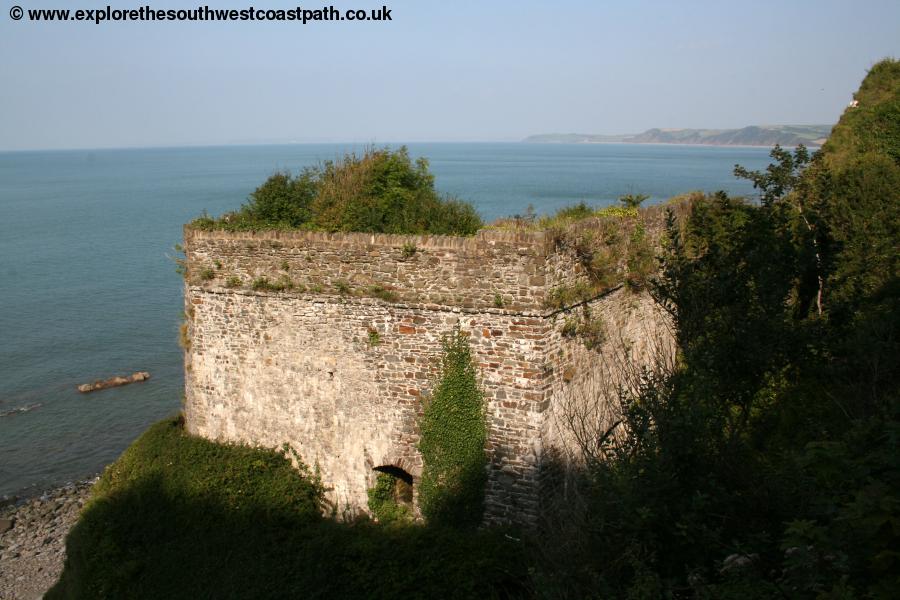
(563, 218)
(453, 434)
(611, 246)
(177, 516)
(379, 191)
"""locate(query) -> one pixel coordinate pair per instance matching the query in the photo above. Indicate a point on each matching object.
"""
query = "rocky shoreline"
(32, 539)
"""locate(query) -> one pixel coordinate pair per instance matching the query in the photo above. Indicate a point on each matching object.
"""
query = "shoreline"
(33, 532)
(37, 490)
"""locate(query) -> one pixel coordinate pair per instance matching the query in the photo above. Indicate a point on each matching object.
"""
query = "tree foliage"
(765, 463)
(380, 191)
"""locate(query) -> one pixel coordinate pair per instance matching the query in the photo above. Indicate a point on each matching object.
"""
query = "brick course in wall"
(341, 376)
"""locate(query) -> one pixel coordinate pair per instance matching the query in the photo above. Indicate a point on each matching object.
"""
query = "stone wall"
(489, 269)
(337, 362)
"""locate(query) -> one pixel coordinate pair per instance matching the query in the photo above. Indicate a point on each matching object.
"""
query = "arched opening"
(401, 484)
(391, 498)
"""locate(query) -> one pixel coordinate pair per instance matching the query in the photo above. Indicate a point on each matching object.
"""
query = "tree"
(633, 200)
(379, 191)
(788, 190)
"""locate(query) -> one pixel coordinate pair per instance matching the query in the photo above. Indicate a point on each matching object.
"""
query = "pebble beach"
(32, 539)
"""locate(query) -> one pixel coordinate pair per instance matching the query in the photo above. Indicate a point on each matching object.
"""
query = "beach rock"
(114, 382)
(32, 550)
(5, 525)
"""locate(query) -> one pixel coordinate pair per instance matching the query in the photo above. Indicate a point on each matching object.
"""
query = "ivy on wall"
(453, 433)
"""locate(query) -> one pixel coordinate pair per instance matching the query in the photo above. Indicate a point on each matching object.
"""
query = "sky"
(488, 70)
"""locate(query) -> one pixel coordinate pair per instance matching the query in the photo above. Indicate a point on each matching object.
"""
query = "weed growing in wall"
(342, 287)
(386, 294)
(180, 260)
(453, 432)
(184, 336)
(589, 328)
(409, 250)
(263, 284)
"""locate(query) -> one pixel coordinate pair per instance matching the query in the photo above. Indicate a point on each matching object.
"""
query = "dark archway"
(403, 486)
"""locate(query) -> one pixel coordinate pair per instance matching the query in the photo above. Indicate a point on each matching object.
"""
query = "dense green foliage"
(381, 191)
(384, 503)
(873, 126)
(182, 517)
(764, 461)
(453, 434)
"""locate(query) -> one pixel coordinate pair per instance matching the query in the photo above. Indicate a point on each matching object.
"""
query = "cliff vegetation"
(763, 461)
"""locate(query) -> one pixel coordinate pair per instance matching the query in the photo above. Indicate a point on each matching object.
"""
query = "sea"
(89, 290)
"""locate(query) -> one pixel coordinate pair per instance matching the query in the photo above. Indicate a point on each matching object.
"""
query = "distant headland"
(754, 135)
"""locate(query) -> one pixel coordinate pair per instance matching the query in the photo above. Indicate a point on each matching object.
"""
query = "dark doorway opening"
(403, 484)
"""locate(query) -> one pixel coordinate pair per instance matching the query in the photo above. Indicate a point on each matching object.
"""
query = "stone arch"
(396, 472)
(404, 485)
(395, 460)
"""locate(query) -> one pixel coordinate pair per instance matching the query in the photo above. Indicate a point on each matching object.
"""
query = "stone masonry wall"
(341, 376)
(441, 270)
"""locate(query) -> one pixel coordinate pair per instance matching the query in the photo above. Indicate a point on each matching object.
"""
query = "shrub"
(409, 250)
(384, 503)
(453, 434)
(633, 200)
(379, 191)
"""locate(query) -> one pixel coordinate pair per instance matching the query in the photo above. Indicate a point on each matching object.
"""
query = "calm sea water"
(88, 289)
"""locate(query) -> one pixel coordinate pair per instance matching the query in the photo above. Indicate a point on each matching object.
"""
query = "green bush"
(380, 191)
(384, 503)
(453, 434)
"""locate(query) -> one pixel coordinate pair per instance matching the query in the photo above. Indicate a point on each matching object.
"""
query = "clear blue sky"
(461, 70)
